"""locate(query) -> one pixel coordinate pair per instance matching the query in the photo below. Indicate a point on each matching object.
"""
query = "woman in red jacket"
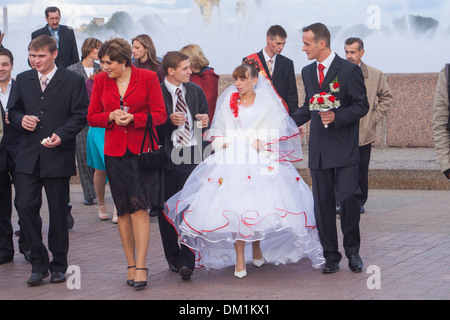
(134, 191)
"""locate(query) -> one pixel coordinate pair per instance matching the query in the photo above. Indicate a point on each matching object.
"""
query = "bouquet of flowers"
(325, 101)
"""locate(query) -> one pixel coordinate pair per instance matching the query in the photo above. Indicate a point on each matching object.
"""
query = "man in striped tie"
(181, 137)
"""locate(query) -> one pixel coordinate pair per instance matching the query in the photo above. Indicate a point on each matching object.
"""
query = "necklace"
(245, 100)
(124, 86)
(123, 83)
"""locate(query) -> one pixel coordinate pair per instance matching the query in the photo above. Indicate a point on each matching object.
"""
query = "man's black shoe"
(185, 273)
(330, 267)
(57, 277)
(355, 263)
(37, 278)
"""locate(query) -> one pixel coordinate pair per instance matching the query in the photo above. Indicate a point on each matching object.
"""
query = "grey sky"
(175, 23)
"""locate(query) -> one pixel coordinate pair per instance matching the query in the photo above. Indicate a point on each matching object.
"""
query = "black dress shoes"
(37, 278)
(57, 277)
(185, 273)
(330, 267)
(355, 263)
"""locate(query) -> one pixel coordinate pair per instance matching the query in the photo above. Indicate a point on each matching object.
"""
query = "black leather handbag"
(154, 158)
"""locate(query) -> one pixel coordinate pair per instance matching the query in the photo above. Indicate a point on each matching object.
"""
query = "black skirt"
(132, 188)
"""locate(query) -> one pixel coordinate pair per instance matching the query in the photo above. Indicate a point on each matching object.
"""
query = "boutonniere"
(335, 86)
(234, 104)
(325, 101)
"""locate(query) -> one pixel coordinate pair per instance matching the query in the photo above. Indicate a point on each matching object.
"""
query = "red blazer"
(143, 95)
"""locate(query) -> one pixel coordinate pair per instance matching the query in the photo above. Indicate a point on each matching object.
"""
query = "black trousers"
(344, 183)
(363, 181)
(7, 178)
(174, 180)
(29, 187)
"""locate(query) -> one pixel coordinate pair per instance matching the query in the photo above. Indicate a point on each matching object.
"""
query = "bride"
(247, 199)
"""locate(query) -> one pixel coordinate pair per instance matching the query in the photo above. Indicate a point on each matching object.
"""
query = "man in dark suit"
(277, 68)
(181, 137)
(8, 152)
(50, 111)
(64, 36)
(333, 150)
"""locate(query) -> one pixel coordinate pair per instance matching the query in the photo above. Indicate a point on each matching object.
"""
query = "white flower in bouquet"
(323, 102)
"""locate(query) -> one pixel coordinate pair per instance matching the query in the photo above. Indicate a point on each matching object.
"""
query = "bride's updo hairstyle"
(248, 69)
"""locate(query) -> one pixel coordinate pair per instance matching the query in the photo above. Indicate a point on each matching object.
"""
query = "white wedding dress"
(238, 193)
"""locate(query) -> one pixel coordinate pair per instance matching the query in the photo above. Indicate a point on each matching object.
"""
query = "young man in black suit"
(50, 111)
(278, 68)
(64, 36)
(333, 144)
(181, 137)
(8, 152)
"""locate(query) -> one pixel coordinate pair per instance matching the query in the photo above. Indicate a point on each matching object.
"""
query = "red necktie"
(321, 76)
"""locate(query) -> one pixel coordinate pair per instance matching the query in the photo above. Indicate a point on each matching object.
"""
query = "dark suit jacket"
(62, 109)
(67, 50)
(11, 137)
(337, 145)
(197, 103)
(283, 80)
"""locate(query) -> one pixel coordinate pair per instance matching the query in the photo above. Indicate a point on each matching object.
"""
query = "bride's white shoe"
(240, 274)
(258, 263)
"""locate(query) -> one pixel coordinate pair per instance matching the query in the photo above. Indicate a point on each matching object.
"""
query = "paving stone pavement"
(405, 248)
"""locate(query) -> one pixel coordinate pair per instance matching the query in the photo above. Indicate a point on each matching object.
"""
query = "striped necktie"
(270, 66)
(183, 135)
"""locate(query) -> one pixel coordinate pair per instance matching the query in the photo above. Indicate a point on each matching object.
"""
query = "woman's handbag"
(154, 158)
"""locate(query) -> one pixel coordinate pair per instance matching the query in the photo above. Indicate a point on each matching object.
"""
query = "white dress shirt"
(326, 63)
(49, 75)
(4, 96)
(172, 89)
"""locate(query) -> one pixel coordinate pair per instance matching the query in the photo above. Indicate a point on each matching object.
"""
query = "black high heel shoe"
(130, 282)
(140, 284)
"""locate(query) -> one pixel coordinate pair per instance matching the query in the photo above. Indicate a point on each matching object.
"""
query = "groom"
(333, 151)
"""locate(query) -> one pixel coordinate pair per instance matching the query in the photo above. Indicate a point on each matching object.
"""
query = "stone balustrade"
(409, 122)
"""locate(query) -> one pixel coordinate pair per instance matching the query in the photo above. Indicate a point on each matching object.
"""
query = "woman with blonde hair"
(203, 75)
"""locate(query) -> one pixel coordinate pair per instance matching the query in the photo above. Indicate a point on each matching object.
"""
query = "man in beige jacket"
(380, 101)
(441, 123)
